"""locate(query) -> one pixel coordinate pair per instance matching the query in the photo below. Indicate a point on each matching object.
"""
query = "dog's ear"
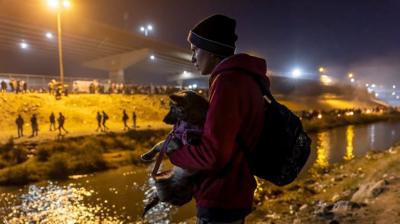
(178, 98)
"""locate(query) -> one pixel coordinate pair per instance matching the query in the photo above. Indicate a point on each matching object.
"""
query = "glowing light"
(352, 80)
(150, 27)
(186, 75)
(350, 113)
(376, 94)
(397, 97)
(321, 69)
(393, 93)
(67, 4)
(142, 28)
(23, 45)
(319, 116)
(323, 148)
(152, 57)
(194, 86)
(49, 35)
(349, 140)
(373, 85)
(368, 111)
(325, 79)
(53, 3)
(350, 75)
(394, 86)
(366, 85)
(296, 73)
(190, 86)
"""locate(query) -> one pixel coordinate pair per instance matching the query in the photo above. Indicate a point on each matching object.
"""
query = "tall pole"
(60, 58)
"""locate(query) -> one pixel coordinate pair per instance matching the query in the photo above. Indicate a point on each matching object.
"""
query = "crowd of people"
(17, 86)
(94, 87)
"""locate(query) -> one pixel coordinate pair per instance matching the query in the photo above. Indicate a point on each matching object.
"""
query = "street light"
(59, 5)
(296, 73)
(49, 35)
(146, 29)
(321, 69)
(23, 45)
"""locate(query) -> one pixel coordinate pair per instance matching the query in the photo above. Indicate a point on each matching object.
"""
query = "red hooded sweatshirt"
(236, 109)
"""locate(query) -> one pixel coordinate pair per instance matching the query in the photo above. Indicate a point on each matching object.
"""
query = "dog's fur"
(188, 111)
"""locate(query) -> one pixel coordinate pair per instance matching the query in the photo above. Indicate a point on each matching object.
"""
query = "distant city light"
(350, 75)
(23, 45)
(194, 86)
(186, 75)
(394, 86)
(393, 93)
(376, 94)
(325, 79)
(67, 3)
(146, 29)
(296, 73)
(397, 97)
(49, 35)
(352, 80)
(190, 86)
(321, 69)
(366, 85)
(152, 57)
(319, 116)
(53, 3)
(373, 85)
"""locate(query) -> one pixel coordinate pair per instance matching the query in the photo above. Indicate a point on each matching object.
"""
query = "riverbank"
(31, 161)
(362, 190)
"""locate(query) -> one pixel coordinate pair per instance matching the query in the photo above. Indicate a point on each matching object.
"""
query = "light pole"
(59, 5)
(146, 29)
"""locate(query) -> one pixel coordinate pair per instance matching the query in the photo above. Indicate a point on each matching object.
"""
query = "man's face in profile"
(202, 60)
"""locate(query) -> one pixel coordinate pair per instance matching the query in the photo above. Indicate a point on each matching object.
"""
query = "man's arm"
(219, 135)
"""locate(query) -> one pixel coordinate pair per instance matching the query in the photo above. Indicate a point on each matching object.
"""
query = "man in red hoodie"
(224, 186)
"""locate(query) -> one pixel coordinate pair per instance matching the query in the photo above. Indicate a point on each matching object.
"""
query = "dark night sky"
(362, 36)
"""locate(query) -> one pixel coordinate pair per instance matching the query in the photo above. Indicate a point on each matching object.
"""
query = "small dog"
(188, 111)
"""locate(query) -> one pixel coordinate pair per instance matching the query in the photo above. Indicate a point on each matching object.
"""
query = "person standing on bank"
(105, 118)
(98, 118)
(20, 125)
(34, 125)
(134, 120)
(125, 119)
(52, 120)
(224, 186)
(61, 122)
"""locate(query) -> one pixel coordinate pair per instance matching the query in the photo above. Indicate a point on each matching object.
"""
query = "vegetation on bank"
(328, 122)
(21, 164)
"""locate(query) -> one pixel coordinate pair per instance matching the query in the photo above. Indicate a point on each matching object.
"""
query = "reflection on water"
(57, 204)
(349, 142)
(322, 149)
(345, 143)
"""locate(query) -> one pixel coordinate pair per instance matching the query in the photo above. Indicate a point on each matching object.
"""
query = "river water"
(117, 196)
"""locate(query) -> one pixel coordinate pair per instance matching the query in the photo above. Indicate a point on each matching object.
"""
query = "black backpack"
(283, 147)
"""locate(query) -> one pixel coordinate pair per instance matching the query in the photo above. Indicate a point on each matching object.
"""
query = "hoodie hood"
(242, 62)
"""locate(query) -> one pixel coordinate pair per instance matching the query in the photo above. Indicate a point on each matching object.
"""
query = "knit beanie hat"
(215, 34)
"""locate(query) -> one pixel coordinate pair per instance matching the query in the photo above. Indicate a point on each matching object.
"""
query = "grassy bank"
(21, 164)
